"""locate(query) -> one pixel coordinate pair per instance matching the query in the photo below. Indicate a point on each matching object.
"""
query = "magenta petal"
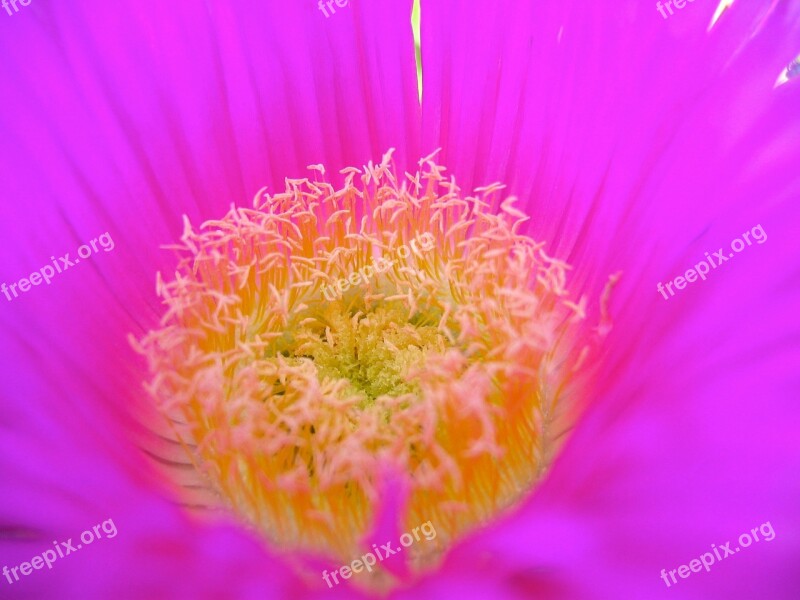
(124, 118)
(636, 144)
(667, 143)
(587, 113)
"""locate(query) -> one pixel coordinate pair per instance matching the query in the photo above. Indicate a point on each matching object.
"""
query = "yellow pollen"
(325, 335)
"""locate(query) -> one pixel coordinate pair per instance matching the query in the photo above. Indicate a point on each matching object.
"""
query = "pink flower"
(636, 145)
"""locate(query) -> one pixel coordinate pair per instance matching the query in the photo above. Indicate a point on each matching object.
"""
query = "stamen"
(294, 370)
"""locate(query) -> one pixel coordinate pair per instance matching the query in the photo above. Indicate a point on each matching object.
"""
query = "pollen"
(327, 334)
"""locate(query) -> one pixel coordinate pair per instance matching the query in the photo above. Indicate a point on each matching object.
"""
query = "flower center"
(374, 352)
(327, 335)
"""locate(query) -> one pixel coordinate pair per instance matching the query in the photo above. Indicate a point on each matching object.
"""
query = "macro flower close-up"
(400, 299)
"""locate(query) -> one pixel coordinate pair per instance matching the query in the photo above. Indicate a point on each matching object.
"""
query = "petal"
(689, 440)
(121, 120)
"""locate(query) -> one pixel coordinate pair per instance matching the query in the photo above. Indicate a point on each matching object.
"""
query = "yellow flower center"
(326, 335)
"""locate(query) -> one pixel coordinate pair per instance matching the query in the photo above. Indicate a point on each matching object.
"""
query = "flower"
(460, 369)
(635, 144)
